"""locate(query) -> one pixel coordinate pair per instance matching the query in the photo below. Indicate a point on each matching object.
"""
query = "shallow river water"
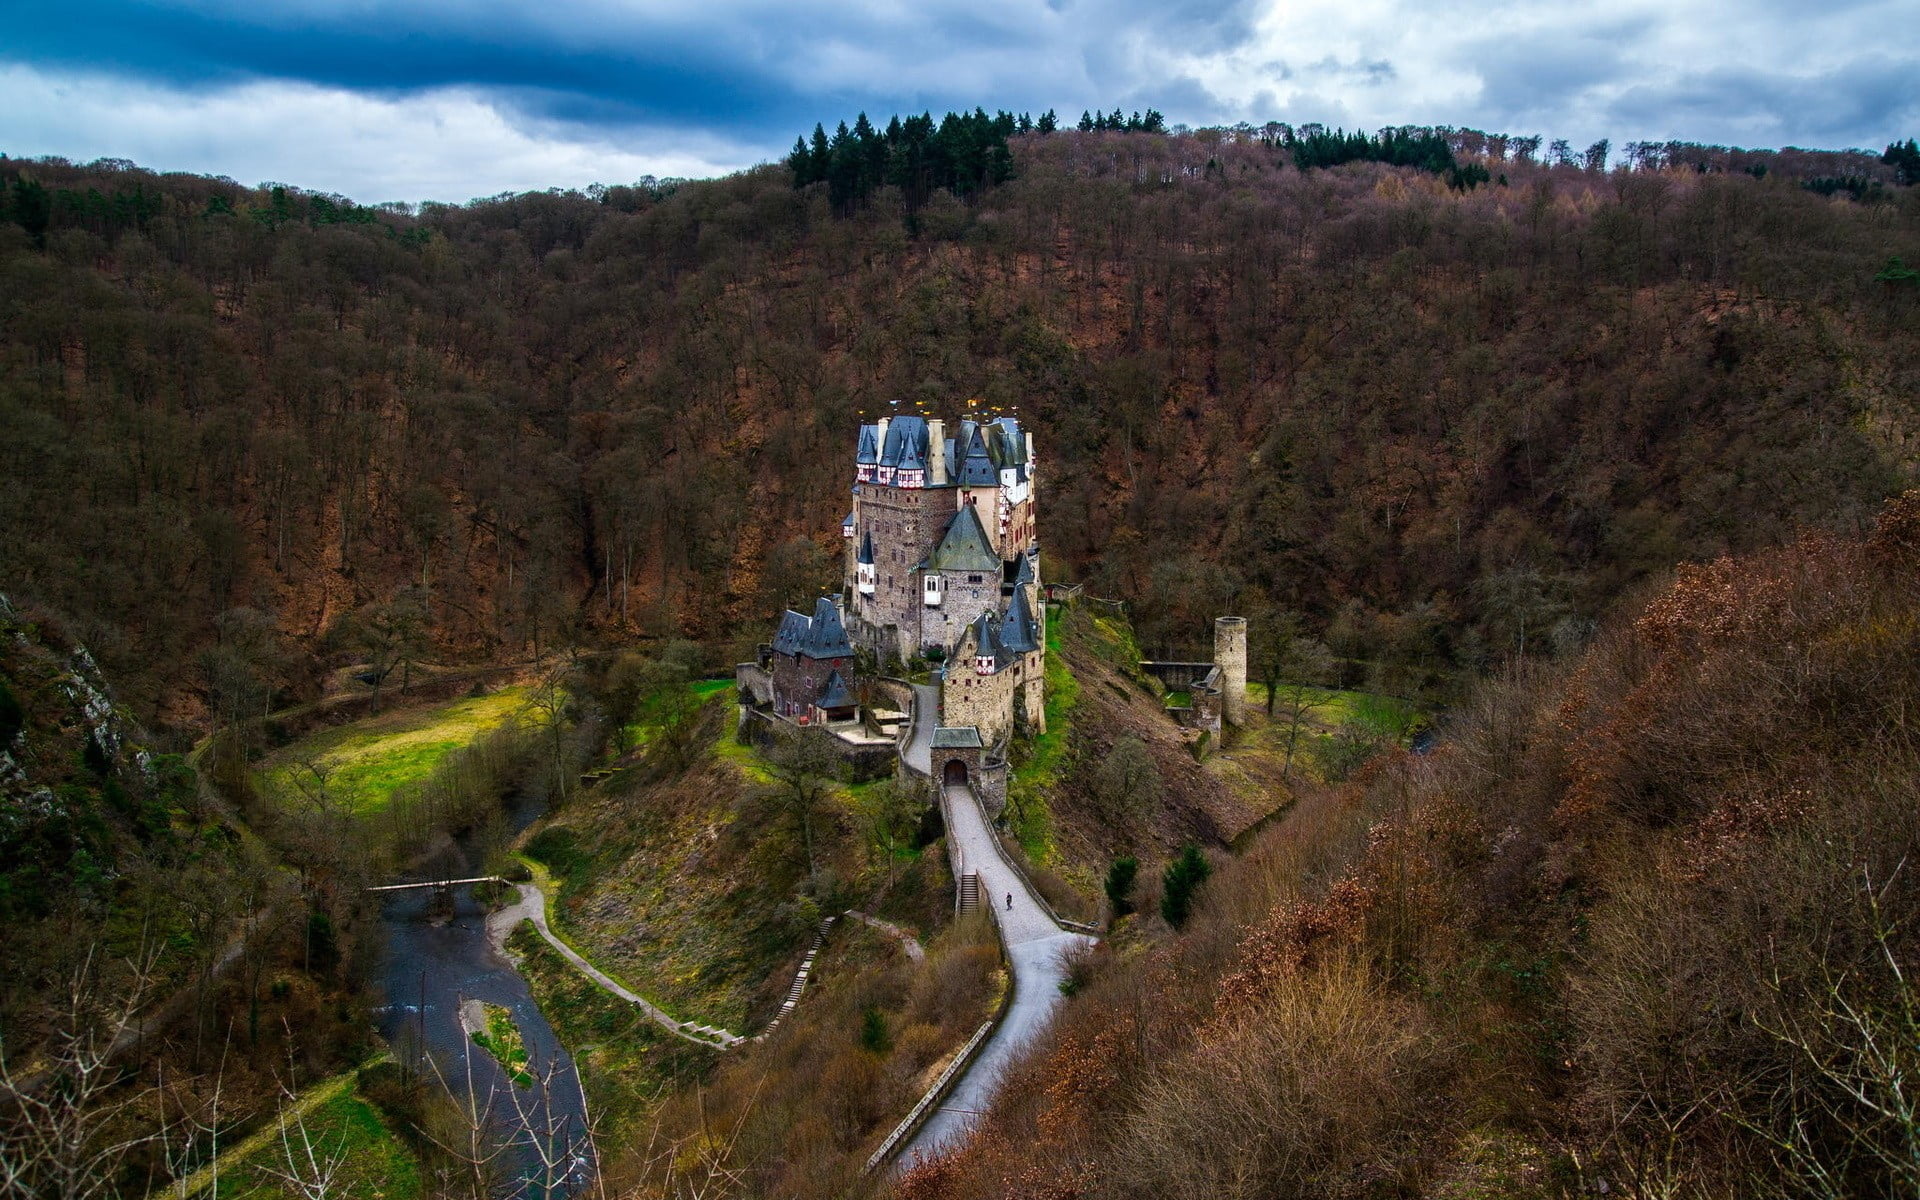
(428, 970)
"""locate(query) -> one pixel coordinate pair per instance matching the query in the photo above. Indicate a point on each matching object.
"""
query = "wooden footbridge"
(436, 883)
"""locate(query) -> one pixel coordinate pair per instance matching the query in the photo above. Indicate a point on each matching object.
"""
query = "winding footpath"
(532, 906)
(1037, 948)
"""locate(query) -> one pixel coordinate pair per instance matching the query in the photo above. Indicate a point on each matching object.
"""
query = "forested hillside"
(1642, 926)
(1446, 425)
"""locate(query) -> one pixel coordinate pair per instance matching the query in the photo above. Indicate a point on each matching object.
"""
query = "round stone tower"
(1230, 654)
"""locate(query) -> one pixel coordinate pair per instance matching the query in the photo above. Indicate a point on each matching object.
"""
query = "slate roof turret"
(1020, 632)
(869, 451)
(1023, 570)
(866, 550)
(977, 469)
(827, 637)
(792, 633)
(819, 636)
(906, 443)
(965, 545)
(834, 693)
(985, 631)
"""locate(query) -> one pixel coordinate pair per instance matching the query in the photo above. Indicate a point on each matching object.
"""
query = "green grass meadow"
(365, 762)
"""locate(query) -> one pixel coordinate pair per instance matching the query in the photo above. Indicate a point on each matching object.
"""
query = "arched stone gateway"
(955, 774)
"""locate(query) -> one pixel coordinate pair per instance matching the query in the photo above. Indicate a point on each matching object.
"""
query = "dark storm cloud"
(650, 71)
(564, 90)
(1869, 93)
(743, 69)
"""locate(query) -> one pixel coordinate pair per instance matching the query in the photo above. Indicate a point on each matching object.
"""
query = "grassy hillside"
(331, 1140)
(361, 765)
(1067, 814)
(800, 1113)
(695, 883)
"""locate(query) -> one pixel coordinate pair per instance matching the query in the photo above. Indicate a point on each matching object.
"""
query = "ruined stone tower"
(1230, 653)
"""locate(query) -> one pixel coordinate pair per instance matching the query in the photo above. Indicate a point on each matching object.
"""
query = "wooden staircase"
(970, 892)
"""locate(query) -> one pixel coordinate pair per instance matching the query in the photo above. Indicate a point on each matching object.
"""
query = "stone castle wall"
(904, 522)
(982, 701)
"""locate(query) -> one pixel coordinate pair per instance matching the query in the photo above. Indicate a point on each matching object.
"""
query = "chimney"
(936, 454)
(1029, 450)
(881, 449)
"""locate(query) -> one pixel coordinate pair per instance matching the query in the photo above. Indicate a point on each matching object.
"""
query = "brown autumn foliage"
(800, 1113)
(1647, 921)
(1447, 426)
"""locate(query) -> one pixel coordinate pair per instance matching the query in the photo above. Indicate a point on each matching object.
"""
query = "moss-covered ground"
(365, 762)
(637, 733)
(341, 1126)
(501, 1038)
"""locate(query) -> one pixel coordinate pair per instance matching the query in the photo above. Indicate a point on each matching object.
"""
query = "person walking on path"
(1009, 901)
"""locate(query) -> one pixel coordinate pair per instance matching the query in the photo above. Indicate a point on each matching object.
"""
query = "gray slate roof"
(792, 633)
(906, 443)
(834, 693)
(957, 737)
(828, 637)
(964, 546)
(819, 636)
(990, 641)
(977, 469)
(1020, 632)
(866, 549)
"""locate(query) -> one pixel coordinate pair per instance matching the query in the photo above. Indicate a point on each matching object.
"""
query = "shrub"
(1320, 1077)
(873, 1031)
(1120, 877)
(11, 716)
(1183, 878)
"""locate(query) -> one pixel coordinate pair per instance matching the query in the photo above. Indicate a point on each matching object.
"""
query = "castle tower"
(937, 454)
(1230, 653)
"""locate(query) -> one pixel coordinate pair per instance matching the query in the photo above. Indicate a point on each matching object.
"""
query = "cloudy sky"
(451, 99)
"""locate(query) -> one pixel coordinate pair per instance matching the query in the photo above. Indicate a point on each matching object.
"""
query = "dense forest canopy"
(1442, 428)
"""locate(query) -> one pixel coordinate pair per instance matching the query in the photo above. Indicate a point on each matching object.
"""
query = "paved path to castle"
(1035, 946)
(926, 712)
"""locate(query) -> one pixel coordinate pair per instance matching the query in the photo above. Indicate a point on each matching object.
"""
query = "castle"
(942, 566)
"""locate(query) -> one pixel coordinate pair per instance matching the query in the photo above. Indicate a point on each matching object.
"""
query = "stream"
(427, 970)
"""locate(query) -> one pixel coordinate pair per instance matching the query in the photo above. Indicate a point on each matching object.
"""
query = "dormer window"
(982, 665)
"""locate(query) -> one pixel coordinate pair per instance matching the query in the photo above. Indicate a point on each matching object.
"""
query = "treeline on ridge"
(1439, 429)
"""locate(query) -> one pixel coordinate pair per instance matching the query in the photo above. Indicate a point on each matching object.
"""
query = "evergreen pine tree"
(1120, 877)
(818, 154)
(1183, 878)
